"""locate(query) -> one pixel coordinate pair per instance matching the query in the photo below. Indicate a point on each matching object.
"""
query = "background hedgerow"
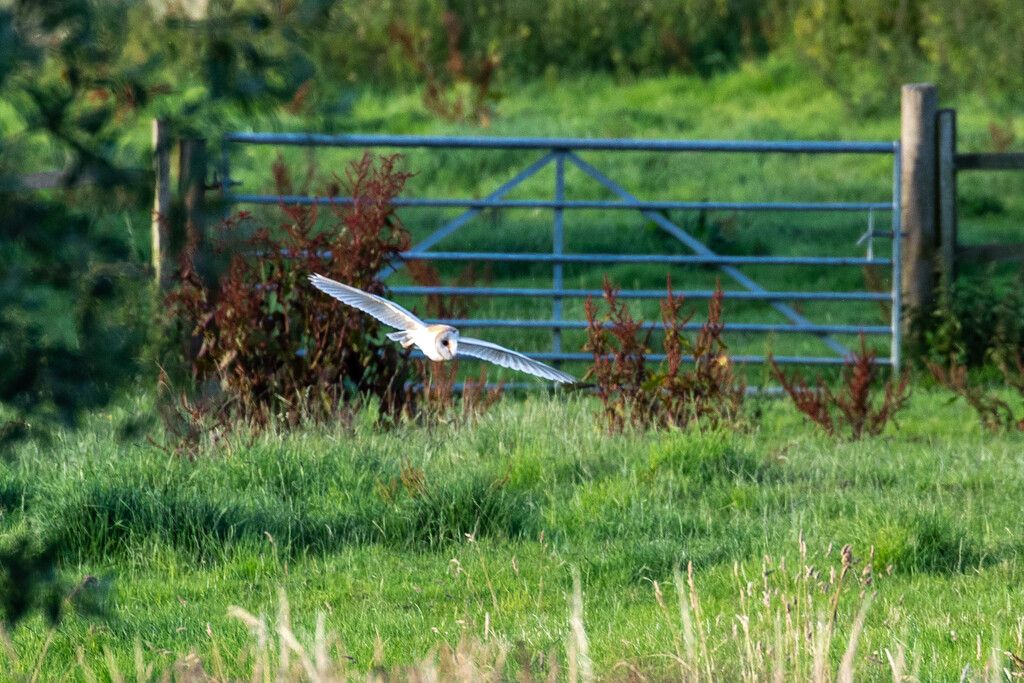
(443, 87)
(694, 384)
(853, 407)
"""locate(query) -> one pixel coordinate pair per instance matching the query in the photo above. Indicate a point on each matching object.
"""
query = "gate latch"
(869, 235)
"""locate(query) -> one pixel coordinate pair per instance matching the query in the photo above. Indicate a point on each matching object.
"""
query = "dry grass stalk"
(686, 618)
(845, 674)
(784, 624)
(770, 639)
(580, 665)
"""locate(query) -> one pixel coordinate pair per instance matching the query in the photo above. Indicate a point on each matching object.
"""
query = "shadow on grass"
(929, 543)
(113, 520)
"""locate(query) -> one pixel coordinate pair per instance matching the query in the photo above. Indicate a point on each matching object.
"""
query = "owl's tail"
(403, 337)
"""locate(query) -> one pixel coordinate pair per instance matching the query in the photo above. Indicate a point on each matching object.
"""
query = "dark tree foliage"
(62, 348)
(30, 583)
(79, 74)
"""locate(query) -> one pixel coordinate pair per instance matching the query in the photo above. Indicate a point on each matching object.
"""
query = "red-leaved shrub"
(853, 407)
(275, 344)
(695, 384)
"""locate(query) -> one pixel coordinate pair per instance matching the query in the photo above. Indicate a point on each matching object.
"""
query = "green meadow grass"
(481, 541)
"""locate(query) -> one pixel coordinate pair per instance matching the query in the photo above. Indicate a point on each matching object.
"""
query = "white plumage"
(438, 342)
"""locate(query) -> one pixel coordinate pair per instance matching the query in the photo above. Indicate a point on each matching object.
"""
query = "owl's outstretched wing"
(388, 312)
(507, 358)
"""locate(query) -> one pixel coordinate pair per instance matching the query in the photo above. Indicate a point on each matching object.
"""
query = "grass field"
(409, 538)
(412, 537)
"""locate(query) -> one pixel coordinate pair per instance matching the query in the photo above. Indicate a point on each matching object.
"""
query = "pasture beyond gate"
(803, 281)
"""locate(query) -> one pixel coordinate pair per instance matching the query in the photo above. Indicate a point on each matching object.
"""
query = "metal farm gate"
(563, 153)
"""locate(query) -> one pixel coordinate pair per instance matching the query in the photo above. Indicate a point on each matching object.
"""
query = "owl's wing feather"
(507, 358)
(388, 312)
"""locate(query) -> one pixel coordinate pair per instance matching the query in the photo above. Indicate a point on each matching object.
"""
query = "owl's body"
(437, 342)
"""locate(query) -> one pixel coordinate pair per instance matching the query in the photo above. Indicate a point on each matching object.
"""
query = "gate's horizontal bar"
(518, 386)
(658, 357)
(304, 200)
(480, 142)
(645, 258)
(668, 259)
(643, 293)
(729, 327)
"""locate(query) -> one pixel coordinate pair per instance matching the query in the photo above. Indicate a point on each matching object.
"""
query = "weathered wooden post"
(947, 197)
(173, 217)
(159, 231)
(192, 185)
(191, 216)
(917, 213)
(192, 193)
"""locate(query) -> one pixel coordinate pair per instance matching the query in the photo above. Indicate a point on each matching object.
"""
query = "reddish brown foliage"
(1002, 136)
(434, 400)
(620, 360)
(440, 94)
(695, 384)
(994, 413)
(438, 305)
(277, 345)
(853, 406)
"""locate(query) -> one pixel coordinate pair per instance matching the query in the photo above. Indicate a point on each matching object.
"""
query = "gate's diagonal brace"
(700, 248)
(463, 218)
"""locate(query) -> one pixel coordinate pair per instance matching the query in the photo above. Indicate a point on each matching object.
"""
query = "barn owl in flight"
(438, 342)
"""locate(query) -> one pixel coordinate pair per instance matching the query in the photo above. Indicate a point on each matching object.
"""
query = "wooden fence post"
(947, 197)
(192, 191)
(162, 267)
(917, 136)
(192, 185)
(192, 216)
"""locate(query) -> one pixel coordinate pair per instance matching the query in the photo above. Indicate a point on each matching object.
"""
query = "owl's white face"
(447, 343)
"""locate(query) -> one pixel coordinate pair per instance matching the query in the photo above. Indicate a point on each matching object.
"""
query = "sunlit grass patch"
(472, 530)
